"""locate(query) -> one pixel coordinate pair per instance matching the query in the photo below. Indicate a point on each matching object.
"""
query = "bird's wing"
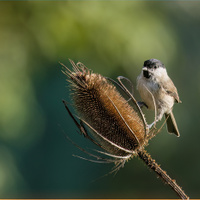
(170, 88)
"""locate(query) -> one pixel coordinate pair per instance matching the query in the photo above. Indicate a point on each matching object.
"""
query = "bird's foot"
(141, 104)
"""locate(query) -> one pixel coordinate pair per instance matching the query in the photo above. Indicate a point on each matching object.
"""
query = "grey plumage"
(154, 81)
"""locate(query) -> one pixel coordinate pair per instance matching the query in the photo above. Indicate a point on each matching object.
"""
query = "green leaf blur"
(112, 38)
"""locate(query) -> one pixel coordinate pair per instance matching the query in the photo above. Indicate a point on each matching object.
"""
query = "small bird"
(157, 90)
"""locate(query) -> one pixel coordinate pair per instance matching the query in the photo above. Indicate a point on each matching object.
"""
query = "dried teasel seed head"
(113, 122)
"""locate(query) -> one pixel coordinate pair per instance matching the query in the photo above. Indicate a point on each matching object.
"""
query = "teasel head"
(116, 125)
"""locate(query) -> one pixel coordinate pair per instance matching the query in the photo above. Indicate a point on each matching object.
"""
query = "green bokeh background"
(112, 38)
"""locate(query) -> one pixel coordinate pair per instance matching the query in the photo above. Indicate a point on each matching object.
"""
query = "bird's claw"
(141, 104)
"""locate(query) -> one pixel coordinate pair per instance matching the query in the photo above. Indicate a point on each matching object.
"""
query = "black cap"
(153, 62)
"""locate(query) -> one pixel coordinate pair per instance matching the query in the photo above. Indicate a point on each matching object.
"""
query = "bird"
(158, 91)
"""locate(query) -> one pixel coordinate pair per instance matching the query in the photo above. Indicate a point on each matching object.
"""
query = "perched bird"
(157, 90)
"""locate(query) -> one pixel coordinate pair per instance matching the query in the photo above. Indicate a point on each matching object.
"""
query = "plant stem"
(161, 173)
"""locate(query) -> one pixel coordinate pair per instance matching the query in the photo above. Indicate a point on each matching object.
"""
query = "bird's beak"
(144, 68)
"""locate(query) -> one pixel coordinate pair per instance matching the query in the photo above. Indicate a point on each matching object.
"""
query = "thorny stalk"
(143, 155)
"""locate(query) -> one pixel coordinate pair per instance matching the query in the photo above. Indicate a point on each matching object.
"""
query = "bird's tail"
(171, 124)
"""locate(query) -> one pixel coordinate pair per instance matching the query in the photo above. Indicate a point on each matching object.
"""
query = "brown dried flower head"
(114, 124)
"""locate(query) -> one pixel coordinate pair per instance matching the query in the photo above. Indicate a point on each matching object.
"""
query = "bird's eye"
(155, 67)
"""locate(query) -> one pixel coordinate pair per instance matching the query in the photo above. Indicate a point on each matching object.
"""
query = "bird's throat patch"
(146, 74)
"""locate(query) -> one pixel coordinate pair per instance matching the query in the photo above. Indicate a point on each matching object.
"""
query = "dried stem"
(161, 173)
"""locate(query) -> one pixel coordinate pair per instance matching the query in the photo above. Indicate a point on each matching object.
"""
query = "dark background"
(112, 38)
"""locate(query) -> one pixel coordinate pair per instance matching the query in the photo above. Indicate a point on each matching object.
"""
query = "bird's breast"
(147, 90)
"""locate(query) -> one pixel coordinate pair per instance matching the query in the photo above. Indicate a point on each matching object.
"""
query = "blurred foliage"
(112, 38)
